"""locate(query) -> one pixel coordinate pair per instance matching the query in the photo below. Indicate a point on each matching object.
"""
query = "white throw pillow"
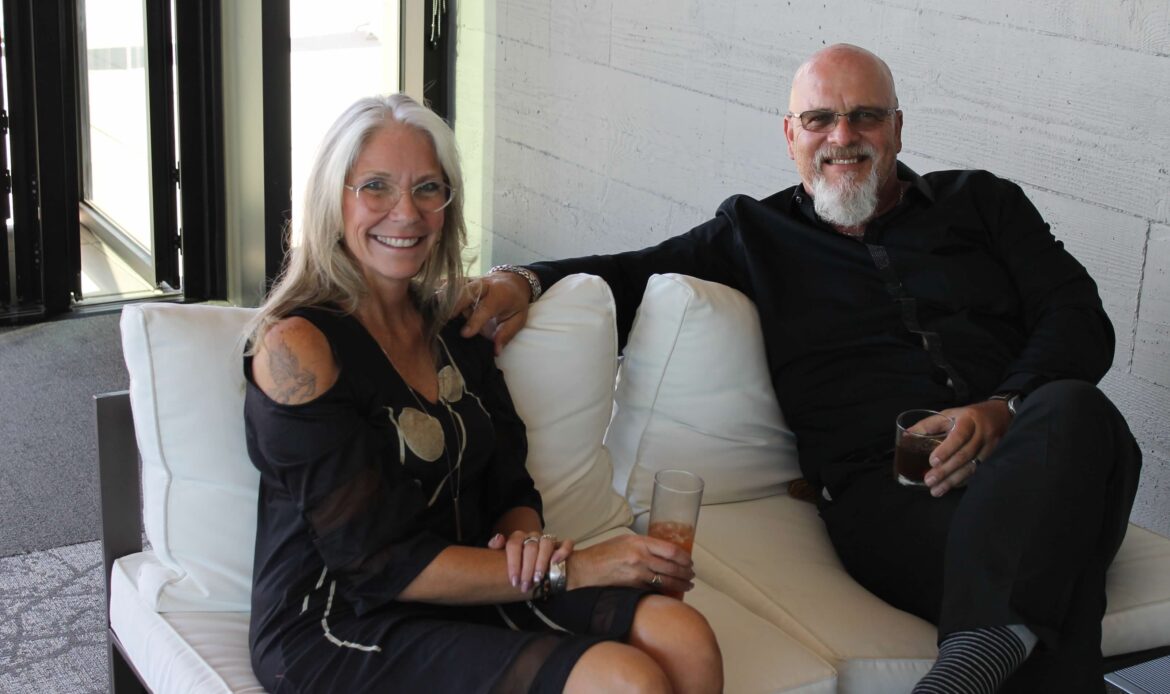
(694, 393)
(560, 371)
(198, 485)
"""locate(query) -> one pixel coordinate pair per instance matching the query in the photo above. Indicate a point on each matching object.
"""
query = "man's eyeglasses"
(823, 120)
(380, 195)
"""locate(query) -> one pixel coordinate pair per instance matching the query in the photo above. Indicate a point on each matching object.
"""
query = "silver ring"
(547, 536)
(975, 464)
(656, 581)
(530, 539)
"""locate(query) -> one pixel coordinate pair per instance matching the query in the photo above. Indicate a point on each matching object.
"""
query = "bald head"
(844, 71)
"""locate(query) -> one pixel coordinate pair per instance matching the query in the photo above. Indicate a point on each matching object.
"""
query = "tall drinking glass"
(674, 510)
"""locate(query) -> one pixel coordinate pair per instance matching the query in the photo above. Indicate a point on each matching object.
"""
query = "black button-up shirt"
(959, 292)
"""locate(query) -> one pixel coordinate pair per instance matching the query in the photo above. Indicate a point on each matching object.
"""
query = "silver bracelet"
(558, 577)
(528, 275)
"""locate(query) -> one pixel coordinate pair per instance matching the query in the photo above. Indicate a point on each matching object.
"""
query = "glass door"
(118, 237)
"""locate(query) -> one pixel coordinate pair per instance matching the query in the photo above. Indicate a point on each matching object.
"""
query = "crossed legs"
(671, 649)
(1027, 542)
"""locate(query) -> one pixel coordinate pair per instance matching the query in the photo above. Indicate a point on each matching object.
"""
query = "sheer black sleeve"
(330, 458)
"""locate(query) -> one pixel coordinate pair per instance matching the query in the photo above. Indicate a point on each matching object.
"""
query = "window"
(92, 116)
(114, 134)
(118, 240)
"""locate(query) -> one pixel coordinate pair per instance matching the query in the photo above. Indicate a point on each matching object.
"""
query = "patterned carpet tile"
(52, 630)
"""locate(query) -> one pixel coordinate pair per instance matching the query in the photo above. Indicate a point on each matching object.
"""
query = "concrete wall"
(602, 125)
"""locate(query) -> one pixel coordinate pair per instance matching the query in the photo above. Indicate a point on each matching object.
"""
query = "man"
(879, 291)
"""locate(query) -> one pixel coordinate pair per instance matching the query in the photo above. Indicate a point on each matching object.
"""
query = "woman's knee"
(616, 667)
(663, 619)
(681, 640)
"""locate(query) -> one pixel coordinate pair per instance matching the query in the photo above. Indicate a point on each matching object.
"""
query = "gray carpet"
(52, 625)
(49, 373)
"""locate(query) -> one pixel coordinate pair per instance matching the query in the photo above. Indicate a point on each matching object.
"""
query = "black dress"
(360, 489)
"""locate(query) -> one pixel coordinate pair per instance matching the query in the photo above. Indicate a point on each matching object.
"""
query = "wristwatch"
(528, 275)
(1011, 397)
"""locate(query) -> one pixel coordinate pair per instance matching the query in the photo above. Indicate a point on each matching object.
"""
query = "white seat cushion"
(694, 392)
(178, 652)
(560, 370)
(1137, 587)
(773, 556)
(757, 655)
(207, 652)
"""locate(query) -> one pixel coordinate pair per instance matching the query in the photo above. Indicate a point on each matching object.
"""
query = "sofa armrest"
(118, 479)
(120, 490)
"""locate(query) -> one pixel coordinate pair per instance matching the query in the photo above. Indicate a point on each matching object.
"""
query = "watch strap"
(1012, 399)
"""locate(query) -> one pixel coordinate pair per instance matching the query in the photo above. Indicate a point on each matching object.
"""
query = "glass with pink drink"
(674, 510)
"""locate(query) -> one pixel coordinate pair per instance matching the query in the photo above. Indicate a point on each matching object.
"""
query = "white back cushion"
(198, 485)
(694, 393)
(560, 370)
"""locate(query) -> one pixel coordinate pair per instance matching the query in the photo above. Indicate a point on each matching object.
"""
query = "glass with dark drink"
(919, 432)
(674, 510)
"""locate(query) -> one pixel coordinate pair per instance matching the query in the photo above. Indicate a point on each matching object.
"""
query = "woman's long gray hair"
(321, 270)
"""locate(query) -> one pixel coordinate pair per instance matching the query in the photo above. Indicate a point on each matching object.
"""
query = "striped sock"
(976, 661)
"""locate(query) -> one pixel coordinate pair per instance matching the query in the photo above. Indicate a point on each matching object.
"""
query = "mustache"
(854, 151)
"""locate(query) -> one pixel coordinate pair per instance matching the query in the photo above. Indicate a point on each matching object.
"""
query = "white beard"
(850, 202)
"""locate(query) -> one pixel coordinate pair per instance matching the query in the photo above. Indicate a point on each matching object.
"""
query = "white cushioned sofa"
(691, 392)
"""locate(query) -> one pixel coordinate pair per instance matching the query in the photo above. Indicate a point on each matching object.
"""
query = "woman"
(399, 542)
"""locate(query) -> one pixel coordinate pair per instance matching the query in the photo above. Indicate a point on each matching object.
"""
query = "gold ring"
(546, 536)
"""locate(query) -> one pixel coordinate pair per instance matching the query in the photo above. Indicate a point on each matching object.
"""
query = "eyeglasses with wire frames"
(823, 120)
(380, 195)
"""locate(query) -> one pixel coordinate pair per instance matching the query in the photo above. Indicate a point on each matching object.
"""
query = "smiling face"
(845, 162)
(392, 246)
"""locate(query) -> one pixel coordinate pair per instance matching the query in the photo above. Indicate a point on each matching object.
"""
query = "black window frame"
(45, 93)
(40, 56)
(202, 228)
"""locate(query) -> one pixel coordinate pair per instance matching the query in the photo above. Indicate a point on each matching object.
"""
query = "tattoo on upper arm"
(292, 384)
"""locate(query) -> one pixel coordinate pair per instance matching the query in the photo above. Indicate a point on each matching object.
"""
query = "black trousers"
(1027, 541)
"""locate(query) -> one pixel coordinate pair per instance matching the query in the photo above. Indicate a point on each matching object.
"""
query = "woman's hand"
(529, 554)
(632, 560)
(978, 429)
(496, 307)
